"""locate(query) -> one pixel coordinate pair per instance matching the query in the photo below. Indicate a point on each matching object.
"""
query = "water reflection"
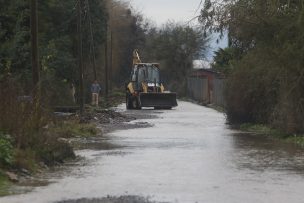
(260, 153)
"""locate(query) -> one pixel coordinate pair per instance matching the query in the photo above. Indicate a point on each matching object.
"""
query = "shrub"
(26, 121)
(6, 150)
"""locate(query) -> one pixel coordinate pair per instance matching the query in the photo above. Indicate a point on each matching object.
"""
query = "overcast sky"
(160, 11)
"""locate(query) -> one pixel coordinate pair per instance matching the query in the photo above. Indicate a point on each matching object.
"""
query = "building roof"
(205, 71)
(199, 64)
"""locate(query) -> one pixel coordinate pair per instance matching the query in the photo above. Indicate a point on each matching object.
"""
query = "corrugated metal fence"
(218, 92)
(197, 88)
(202, 91)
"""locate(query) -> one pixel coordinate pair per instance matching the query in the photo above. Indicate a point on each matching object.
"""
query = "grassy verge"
(42, 140)
(52, 150)
(74, 128)
(274, 133)
(32, 138)
(4, 184)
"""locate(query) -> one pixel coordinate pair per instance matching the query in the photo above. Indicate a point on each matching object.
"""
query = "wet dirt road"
(188, 155)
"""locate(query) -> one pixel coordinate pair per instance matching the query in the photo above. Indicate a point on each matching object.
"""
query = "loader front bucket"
(158, 100)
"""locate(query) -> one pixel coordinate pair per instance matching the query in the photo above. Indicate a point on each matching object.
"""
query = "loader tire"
(135, 103)
(128, 102)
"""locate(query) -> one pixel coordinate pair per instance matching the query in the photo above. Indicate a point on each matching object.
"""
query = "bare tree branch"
(198, 8)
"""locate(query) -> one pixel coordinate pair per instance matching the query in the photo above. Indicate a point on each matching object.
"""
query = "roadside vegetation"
(4, 184)
(31, 135)
(264, 63)
(264, 130)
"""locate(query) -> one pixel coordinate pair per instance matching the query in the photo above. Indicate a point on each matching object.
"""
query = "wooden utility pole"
(80, 62)
(106, 66)
(111, 44)
(111, 61)
(34, 44)
(92, 39)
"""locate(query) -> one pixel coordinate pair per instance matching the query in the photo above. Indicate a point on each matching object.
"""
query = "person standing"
(95, 89)
(73, 92)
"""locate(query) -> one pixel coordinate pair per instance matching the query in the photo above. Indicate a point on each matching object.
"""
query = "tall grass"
(26, 121)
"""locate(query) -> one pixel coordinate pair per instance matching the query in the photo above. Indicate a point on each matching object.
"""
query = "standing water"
(188, 155)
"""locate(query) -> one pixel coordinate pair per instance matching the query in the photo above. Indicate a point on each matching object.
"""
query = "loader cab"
(145, 73)
(145, 88)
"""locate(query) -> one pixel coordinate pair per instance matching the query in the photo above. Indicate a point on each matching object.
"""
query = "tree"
(175, 47)
(15, 38)
(269, 74)
(57, 39)
(224, 59)
(128, 33)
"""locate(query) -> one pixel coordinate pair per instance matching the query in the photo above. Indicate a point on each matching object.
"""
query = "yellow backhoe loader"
(145, 88)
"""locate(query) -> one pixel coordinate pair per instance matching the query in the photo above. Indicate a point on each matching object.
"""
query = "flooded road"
(188, 155)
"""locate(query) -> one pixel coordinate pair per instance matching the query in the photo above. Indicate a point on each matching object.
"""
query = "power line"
(198, 8)
(195, 16)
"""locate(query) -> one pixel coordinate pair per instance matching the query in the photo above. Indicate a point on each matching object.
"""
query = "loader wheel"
(135, 103)
(128, 102)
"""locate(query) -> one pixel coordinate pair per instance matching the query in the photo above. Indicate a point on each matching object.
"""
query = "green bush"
(265, 85)
(6, 150)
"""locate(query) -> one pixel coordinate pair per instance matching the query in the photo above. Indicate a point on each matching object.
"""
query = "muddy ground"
(121, 199)
(107, 121)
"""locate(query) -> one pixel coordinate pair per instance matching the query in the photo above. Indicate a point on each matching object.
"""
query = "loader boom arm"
(136, 58)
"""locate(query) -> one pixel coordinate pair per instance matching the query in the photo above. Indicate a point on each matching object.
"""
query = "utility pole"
(107, 58)
(80, 62)
(34, 45)
(111, 60)
(106, 65)
(111, 46)
(92, 39)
